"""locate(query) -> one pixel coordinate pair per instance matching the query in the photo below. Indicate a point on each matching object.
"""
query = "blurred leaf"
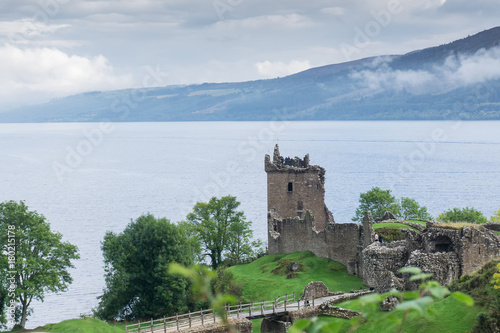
(419, 304)
(421, 276)
(461, 297)
(439, 292)
(299, 326)
(411, 270)
(411, 294)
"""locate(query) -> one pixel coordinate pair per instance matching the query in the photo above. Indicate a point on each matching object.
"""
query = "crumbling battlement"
(294, 186)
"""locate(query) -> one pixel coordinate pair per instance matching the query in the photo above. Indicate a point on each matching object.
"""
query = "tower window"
(290, 187)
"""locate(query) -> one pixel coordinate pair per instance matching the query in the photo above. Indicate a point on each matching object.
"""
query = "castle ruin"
(299, 220)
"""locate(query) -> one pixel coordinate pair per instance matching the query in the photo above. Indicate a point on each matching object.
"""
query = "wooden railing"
(191, 319)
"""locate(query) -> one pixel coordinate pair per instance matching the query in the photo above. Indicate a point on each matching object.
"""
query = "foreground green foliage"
(267, 278)
(201, 278)
(411, 303)
(33, 259)
(466, 214)
(481, 286)
(222, 231)
(136, 262)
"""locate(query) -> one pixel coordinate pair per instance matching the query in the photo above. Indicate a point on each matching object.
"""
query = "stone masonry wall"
(339, 242)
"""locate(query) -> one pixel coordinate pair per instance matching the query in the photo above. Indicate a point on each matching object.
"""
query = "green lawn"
(265, 278)
(447, 316)
(87, 325)
(392, 226)
(419, 222)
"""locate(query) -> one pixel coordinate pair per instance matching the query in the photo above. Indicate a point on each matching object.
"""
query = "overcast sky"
(54, 48)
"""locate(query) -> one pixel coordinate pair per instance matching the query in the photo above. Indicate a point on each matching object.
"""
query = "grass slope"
(447, 316)
(392, 226)
(265, 278)
(87, 325)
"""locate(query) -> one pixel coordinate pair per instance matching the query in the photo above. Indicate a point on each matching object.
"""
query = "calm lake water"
(89, 178)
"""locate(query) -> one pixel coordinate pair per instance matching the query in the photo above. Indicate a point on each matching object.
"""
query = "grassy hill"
(266, 277)
(86, 325)
(447, 316)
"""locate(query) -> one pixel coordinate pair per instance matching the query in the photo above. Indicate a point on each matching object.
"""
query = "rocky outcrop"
(316, 289)
(389, 303)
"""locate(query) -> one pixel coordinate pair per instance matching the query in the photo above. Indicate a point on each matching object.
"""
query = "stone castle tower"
(294, 187)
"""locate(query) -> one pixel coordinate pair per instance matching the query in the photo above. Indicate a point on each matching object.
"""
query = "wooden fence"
(192, 319)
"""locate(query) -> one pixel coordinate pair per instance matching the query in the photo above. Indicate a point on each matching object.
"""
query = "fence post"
(274, 306)
(189, 316)
(239, 309)
(250, 310)
(202, 318)
(152, 325)
(139, 326)
(298, 305)
(213, 314)
(313, 301)
(286, 299)
(262, 305)
(294, 296)
(164, 325)
(177, 320)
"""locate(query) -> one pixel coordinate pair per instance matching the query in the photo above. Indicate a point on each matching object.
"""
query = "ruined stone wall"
(378, 259)
(444, 266)
(446, 253)
(339, 242)
(478, 247)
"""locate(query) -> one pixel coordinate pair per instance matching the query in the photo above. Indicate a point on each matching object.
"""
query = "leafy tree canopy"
(41, 260)
(496, 216)
(466, 214)
(378, 202)
(410, 209)
(136, 263)
(222, 231)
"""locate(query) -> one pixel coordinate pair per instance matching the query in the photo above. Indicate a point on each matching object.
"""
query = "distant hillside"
(459, 80)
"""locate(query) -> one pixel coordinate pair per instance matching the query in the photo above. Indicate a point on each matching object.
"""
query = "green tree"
(496, 217)
(40, 260)
(136, 264)
(466, 214)
(222, 231)
(378, 202)
(410, 209)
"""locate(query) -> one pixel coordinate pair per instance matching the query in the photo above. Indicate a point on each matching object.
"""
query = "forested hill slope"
(459, 80)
